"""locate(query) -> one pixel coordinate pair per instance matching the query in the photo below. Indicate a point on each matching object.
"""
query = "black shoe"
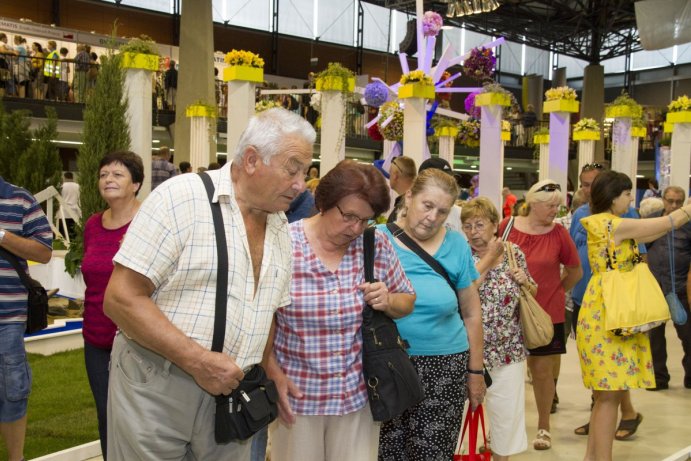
(658, 387)
(554, 408)
(687, 383)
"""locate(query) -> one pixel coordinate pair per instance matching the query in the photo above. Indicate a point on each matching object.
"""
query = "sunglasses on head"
(549, 188)
(592, 166)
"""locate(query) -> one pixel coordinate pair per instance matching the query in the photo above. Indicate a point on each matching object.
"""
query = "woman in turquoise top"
(445, 348)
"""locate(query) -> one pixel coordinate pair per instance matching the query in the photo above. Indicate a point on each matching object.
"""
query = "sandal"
(582, 430)
(543, 440)
(628, 427)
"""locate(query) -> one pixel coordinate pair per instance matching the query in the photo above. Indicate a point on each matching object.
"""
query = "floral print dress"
(499, 295)
(609, 362)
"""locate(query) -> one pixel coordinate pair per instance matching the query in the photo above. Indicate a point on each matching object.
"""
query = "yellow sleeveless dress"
(609, 362)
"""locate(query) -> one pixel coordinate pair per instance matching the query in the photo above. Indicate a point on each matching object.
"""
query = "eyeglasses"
(393, 163)
(592, 166)
(350, 218)
(674, 202)
(478, 226)
(549, 188)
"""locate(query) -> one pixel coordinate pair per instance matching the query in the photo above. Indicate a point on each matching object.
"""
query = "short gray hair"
(267, 131)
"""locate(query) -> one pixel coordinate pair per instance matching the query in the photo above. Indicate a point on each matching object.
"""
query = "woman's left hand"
(519, 276)
(376, 295)
(476, 389)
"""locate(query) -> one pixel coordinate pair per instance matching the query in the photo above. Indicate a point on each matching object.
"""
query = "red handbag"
(473, 419)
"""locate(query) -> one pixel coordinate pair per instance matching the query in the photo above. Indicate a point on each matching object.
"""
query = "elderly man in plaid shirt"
(162, 294)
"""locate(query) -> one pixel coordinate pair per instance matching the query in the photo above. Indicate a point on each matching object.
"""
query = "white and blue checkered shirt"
(171, 241)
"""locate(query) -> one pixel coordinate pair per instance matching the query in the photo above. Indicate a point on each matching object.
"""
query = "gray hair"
(650, 205)
(535, 195)
(267, 131)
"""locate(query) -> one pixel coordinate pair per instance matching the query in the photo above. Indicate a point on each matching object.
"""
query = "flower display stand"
(414, 129)
(138, 71)
(333, 93)
(416, 90)
(447, 137)
(560, 111)
(242, 82)
(624, 145)
(202, 120)
(542, 140)
(491, 150)
(680, 154)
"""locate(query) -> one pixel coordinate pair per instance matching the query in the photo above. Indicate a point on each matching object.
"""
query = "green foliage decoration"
(42, 151)
(140, 45)
(16, 139)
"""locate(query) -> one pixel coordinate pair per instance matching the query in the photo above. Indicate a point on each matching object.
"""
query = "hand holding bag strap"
(222, 272)
(12, 259)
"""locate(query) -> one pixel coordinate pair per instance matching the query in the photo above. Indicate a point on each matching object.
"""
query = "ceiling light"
(459, 8)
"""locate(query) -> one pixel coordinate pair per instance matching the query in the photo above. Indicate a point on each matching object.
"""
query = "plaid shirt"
(172, 242)
(318, 341)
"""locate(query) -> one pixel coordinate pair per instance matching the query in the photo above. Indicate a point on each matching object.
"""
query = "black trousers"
(658, 345)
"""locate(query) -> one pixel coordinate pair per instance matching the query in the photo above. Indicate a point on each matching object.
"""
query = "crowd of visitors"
(296, 293)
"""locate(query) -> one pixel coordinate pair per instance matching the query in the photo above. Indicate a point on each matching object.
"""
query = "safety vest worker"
(51, 66)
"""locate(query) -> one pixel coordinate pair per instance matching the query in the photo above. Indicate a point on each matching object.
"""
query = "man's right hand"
(217, 373)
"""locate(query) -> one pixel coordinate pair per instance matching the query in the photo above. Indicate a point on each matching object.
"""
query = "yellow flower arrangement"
(682, 103)
(586, 124)
(562, 92)
(505, 125)
(416, 76)
(243, 58)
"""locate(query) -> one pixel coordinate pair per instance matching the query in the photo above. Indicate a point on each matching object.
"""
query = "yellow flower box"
(541, 139)
(638, 131)
(197, 110)
(416, 90)
(561, 105)
(621, 111)
(335, 84)
(488, 99)
(245, 73)
(446, 131)
(683, 116)
(140, 61)
(506, 136)
(668, 127)
(586, 135)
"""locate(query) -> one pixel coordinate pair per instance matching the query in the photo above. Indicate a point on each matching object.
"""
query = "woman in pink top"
(120, 177)
(546, 246)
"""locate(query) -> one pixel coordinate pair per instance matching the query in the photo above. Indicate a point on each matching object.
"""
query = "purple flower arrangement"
(431, 24)
(470, 108)
(376, 94)
(469, 133)
(480, 64)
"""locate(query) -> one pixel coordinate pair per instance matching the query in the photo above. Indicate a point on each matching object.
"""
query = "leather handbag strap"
(507, 229)
(670, 250)
(12, 259)
(222, 273)
(368, 247)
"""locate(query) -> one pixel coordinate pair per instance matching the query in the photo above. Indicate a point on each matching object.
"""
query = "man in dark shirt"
(659, 262)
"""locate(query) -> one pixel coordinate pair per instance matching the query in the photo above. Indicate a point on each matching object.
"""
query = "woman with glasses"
(611, 364)
(547, 246)
(504, 352)
(445, 347)
(316, 360)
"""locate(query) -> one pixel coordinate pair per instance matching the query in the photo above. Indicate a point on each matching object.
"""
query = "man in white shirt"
(71, 211)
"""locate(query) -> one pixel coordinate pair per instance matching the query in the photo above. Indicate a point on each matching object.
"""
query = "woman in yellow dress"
(612, 364)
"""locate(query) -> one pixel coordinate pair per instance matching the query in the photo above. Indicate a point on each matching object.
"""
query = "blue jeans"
(97, 361)
(15, 373)
(259, 441)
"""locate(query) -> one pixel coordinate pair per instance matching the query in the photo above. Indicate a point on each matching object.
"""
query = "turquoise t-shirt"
(435, 326)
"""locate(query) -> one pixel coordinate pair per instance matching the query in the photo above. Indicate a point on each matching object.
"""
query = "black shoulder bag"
(37, 302)
(254, 403)
(434, 264)
(393, 384)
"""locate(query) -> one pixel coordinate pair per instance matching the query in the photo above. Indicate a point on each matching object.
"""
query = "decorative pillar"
(202, 129)
(415, 119)
(559, 126)
(586, 146)
(593, 97)
(333, 126)
(680, 161)
(491, 145)
(543, 162)
(139, 70)
(242, 82)
(446, 136)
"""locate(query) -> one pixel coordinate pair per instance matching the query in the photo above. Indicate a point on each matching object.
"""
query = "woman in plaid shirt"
(316, 359)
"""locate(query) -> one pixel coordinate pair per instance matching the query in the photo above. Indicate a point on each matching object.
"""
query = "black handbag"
(393, 384)
(254, 403)
(37, 301)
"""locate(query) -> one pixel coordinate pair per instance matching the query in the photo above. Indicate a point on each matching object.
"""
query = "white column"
(491, 154)
(200, 153)
(543, 164)
(240, 109)
(586, 153)
(558, 148)
(625, 148)
(680, 162)
(415, 129)
(665, 162)
(138, 94)
(446, 148)
(332, 148)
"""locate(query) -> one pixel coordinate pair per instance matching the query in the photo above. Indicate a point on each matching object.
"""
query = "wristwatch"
(2, 234)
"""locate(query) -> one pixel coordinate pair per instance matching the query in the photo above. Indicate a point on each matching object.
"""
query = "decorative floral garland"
(431, 24)
(561, 92)
(480, 64)
(416, 76)
(505, 125)
(376, 94)
(682, 103)
(393, 131)
(586, 124)
(243, 58)
(266, 104)
(469, 133)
